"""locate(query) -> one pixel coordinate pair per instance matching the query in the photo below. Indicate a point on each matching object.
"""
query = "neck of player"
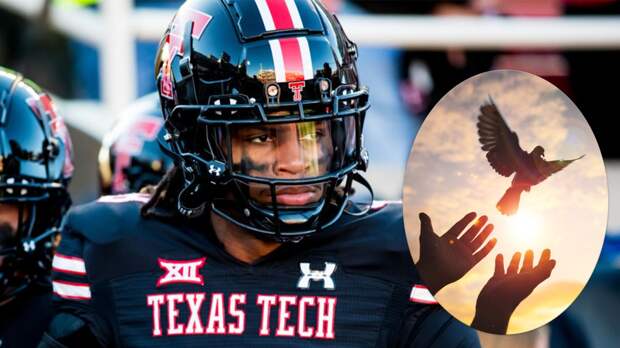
(239, 243)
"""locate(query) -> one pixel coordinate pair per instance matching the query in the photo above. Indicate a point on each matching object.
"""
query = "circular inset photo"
(505, 202)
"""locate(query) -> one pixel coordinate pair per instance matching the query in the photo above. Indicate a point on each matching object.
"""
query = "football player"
(251, 239)
(130, 157)
(35, 168)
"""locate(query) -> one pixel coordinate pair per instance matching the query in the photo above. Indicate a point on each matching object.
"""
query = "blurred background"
(96, 57)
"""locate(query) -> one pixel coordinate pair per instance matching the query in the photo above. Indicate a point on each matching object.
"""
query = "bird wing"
(547, 168)
(501, 143)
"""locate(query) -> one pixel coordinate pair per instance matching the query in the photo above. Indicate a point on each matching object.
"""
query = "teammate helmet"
(264, 113)
(130, 157)
(35, 168)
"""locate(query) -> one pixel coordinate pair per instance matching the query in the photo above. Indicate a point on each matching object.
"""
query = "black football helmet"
(35, 168)
(264, 113)
(130, 157)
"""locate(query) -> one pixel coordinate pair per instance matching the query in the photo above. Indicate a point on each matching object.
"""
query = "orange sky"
(448, 176)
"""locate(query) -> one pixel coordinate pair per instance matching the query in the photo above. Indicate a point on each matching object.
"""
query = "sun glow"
(525, 226)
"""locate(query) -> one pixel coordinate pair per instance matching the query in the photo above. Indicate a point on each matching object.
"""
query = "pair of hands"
(446, 259)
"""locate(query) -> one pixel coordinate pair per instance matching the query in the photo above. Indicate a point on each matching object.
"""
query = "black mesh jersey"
(142, 282)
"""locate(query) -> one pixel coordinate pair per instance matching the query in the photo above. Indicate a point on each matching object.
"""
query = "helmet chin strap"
(191, 201)
(360, 179)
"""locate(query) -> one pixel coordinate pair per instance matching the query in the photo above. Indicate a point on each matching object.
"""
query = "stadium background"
(96, 57)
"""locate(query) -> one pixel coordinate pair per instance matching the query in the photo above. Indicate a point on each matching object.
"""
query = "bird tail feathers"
(509, 203)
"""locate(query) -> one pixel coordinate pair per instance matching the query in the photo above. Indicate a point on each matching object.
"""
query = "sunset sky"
(448, 176)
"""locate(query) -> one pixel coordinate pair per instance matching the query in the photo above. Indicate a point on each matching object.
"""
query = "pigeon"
(507, 157)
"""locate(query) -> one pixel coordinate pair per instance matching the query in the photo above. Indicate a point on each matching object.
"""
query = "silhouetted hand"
(444, 260)
(505, 290)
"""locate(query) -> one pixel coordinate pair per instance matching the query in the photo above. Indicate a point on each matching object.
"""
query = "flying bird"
(506, 157)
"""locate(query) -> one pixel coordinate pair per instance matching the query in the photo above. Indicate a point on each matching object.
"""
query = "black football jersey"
(144, 282)
(24, 319)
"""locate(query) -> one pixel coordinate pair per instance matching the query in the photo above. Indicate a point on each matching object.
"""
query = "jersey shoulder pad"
(384, 219)
(383, 228)
(380, 236)
(107, 218)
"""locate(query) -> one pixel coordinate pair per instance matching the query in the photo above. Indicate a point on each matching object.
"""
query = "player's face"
(284, 151)
(9, 220)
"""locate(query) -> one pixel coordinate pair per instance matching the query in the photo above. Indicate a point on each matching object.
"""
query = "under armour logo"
(181, 271)
(316, 275)
(297, 87)
(29, 246)
(214, 169)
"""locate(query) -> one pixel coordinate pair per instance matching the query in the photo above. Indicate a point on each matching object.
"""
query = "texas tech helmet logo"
(296, 87)
(43, 107)
(173, 44)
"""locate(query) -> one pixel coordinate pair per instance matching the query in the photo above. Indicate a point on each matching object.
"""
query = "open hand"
(444, 260)
(501, 295)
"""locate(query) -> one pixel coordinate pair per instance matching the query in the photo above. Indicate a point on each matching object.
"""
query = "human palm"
(447, 258)
(501, 295)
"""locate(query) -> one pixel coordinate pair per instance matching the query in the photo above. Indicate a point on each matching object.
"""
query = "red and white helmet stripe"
(279, 14)
(291, 56)
(292, 60)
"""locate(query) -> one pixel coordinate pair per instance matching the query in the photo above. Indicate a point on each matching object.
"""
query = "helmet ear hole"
(362, 197)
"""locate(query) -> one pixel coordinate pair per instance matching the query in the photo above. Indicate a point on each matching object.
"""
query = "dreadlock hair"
(163, 201)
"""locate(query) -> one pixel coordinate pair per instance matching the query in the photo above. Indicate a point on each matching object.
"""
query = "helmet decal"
(166, 75)
(145, 129)
(174, 42)
(279, 14)
(296, 87)
(130, 145)
(186, 14)
(292, 59)
(57, 126)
